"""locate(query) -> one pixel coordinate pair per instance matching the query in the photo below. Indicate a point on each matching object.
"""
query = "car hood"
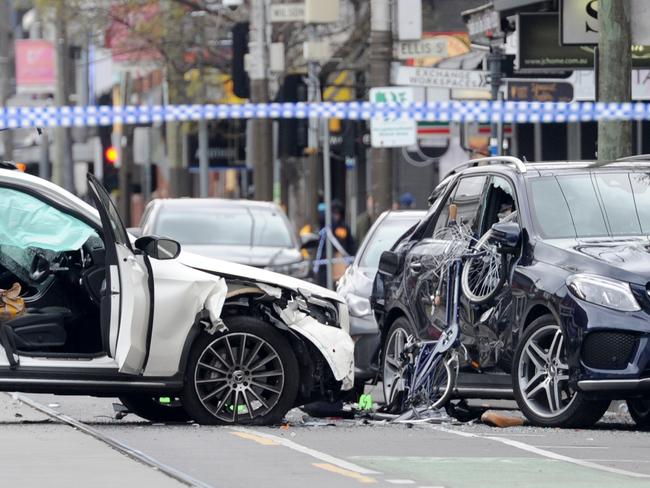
(235, 270)
(253, 256)
(626, 259)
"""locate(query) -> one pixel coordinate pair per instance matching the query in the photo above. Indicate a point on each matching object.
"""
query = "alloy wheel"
(239, 376)
(543, 373)
(393, 381)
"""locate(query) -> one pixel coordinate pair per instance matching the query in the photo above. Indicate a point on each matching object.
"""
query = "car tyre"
(639, 409)
(246, 375)
(540, 370)
(150, 408)
(396, 339)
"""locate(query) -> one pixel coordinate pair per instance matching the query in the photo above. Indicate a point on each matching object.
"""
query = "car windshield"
(595, 204)
(383, 239)
(229, 226)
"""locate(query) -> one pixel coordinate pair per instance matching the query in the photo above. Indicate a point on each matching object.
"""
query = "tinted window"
(592, 205)
(383, 239)
(229, 226)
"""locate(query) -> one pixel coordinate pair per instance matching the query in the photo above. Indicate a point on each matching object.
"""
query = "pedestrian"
(366, 219)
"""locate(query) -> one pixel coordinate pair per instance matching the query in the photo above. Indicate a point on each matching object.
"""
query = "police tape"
(317, 263)
(444, 111)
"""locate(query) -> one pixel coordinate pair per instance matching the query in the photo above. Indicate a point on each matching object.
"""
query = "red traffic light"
(111, 154)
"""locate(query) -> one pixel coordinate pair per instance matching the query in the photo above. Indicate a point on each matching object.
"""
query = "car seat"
(38, 330)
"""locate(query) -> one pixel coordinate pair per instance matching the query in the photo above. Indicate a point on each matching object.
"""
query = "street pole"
(496, 130)
(204, 170)
(260, 130)
(381, 53)
(313, 159)
(6, 49)
(614, 76)
(62, 169)
(327, 189)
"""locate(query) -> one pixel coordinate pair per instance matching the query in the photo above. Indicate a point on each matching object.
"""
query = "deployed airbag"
(26, 221)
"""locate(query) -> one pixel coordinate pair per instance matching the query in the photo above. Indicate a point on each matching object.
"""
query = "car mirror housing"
(158, 247)
(506, 235)
(389, 263)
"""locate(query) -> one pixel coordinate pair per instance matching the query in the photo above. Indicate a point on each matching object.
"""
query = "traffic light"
(109, 158)
(111, 155)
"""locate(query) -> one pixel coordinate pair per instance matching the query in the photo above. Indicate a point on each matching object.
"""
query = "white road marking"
(572, 447)
(401, 482)
(321, 456)
(541, 452)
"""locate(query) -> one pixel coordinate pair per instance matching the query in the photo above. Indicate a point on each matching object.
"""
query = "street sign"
(483, 23)
(541, 90)
(288, 12)
(424, 48)
(438, 77)
(396, 132)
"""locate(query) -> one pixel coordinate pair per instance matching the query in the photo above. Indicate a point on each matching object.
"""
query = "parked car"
(108, 315)
(356, 286)
(569, 330)
(243, 231)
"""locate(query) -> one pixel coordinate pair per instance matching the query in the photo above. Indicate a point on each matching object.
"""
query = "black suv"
(569, 328)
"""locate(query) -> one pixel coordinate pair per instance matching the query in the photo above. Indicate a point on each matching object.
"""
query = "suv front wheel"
(541, 380)
(246, 375)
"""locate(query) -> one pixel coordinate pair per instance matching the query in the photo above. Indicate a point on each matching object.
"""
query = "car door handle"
(415, 265)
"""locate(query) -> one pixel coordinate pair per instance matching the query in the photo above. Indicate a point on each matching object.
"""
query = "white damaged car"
(140, 320)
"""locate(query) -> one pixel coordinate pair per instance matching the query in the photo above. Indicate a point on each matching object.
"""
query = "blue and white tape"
(456, 111)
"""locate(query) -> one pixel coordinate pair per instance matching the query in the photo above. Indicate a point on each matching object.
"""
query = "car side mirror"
(158, 247)
(389, 263)
(506, 235)
(135, 231)
(309, 240)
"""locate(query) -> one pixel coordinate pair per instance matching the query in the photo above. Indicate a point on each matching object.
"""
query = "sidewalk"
(37, 453)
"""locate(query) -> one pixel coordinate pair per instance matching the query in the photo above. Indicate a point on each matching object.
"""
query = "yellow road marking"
(345, 472)
(252, 437)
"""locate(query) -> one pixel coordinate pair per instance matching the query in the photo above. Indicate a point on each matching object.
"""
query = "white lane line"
(548, 454)
(401, 482)
(321, 456)
(572, 447)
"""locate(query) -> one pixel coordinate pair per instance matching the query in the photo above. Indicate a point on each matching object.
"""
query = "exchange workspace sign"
(439, 78)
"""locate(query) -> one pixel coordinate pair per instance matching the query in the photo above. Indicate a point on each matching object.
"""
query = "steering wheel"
(39, 269)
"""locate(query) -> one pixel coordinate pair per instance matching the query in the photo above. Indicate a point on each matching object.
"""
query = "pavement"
(316, 454)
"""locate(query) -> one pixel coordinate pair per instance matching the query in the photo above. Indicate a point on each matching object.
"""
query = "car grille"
(608, 350)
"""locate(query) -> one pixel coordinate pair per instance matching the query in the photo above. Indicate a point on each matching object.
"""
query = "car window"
(467, 197)
(500, 203)
(119, 231)
(383, 239)
(30, 226)
(592, 205)
(225, 226)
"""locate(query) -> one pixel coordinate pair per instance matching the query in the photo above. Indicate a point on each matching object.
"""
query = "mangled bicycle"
(429, 368)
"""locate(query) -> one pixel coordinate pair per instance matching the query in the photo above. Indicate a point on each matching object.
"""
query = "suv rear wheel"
(246, 375)
(541, 380)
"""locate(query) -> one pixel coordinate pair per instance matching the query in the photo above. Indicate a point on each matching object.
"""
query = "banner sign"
(35, 66)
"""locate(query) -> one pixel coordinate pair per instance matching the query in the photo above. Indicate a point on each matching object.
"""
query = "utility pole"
(204, 171)
(260, 131)
(313, 159)
(62, 169)
(6, 50)
(614, 76)
(381, 54)
(495, 58)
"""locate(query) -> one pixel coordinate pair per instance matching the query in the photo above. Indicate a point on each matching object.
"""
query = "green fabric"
(26, 221)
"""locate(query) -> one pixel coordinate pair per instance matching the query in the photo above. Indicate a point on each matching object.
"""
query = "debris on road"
(499, 419)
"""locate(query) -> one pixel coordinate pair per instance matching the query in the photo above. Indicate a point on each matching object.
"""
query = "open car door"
(125, 303)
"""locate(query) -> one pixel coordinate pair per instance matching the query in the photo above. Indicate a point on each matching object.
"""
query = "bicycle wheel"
(483, 276)
(439, 384)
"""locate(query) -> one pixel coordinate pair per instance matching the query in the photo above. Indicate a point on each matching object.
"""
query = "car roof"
(403, 214)
(214, 203)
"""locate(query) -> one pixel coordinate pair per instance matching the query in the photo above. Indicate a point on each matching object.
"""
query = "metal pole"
(313, 166)
(204, 165)
(327, 187)
(44, 157)
(277, 198)
(494, 59)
